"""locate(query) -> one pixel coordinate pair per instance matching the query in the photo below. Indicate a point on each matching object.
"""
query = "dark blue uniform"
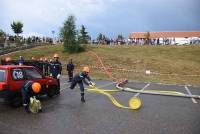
(41, 66)
(70, 69)
(46, 68)
(27, 92)
(80, 78)
(21, 61)
(55, 69)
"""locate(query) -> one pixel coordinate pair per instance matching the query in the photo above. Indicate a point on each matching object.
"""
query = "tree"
(29, 41)
(83, 36)
(1, 33)
(2, 36)
(147, 37)
(101, 38)
(69, 35)
(120, 39)
(17, 27)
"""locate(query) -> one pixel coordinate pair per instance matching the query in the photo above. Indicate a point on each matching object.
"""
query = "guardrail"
(22, 47)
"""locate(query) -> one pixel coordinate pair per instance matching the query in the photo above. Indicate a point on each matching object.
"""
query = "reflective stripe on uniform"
(27, 85)
(80, 75)
(25, 104)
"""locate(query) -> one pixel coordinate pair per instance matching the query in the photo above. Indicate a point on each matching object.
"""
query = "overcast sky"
(110, 17)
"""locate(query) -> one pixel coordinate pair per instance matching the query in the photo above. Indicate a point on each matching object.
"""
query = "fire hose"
(134, 102)
(156, 92)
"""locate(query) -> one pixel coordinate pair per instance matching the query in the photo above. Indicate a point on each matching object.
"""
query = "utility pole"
(53, 32)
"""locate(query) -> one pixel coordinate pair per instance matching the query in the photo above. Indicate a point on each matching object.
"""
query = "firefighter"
(50, 61)
(33, 58)
(29, 89)
(41, 65)
(46, 67)
(8, 61)
(21, 60)
(2, 62)
(70, 69)
(55, 69)
(33, 62)
(80, 78)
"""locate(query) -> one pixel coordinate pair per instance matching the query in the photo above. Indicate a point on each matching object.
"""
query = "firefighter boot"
(82, 98)
(26, 108)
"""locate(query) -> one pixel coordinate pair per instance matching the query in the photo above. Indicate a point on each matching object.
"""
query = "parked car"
(12, 77)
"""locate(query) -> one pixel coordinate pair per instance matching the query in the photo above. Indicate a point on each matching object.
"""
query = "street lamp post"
(53, 32)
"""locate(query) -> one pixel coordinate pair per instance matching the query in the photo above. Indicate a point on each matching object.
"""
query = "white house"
(156, 38)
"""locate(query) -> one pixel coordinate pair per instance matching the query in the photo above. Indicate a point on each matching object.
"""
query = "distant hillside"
(168, 64)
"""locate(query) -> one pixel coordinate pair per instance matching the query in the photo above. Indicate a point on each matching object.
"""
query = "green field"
(168, 64)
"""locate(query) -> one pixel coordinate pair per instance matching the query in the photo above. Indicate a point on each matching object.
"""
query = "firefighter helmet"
(36, 87)
(8, 59)
(32, 58)
(86, 69)
(56, 55)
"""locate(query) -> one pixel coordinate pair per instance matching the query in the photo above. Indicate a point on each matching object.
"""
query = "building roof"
(165, 34)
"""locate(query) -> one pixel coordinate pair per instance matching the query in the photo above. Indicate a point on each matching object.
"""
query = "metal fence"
(5, 50)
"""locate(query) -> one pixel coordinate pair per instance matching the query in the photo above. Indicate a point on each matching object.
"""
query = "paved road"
(65, 114)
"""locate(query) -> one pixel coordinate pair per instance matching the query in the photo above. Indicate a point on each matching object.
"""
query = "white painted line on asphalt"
(187, 89)
(165, 84)
(142, 89)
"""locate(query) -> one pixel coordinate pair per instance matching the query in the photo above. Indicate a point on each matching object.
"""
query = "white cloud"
(52, 13)
(106, 16)
(49, 9)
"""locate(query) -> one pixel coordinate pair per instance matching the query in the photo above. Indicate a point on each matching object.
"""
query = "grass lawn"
(168, 64)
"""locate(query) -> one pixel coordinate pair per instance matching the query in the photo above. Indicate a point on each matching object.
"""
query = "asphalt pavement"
(65, 114)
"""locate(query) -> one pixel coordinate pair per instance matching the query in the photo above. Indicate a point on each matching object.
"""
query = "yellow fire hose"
(134, 102)
(156, 92)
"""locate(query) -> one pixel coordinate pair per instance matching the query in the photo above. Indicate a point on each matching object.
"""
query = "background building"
(158, 38)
